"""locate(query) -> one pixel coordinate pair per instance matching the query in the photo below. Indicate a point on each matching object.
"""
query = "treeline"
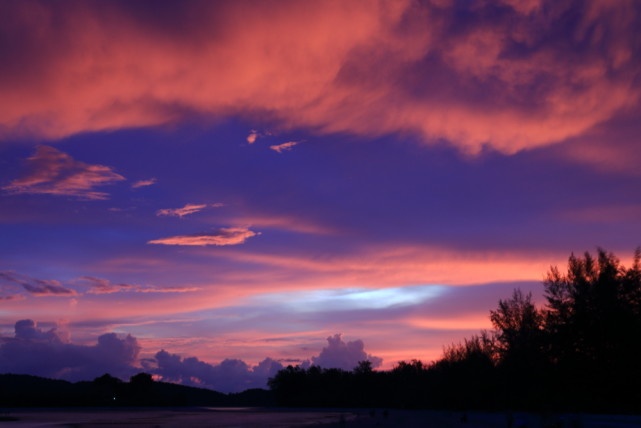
(108, 391)
(580, 351)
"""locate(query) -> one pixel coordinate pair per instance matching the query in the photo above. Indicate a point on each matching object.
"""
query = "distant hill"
(141, 390)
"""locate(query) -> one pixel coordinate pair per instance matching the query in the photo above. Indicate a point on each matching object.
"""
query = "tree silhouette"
(593, 318)
(580, 351)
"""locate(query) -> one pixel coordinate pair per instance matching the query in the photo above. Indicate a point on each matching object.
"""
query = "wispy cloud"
(56, 173)
(284, 146)
(10, 297)
(180, 212)
(144, 183)
(219, 237)
(37, 287)
(104, 286)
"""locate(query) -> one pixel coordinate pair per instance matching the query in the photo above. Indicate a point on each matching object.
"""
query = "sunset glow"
(244, 180)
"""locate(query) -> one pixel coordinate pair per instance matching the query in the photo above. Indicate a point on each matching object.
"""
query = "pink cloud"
(280, 148)
(285, 222)
(56, 173)
(143, 183)
(503, 83)
(388, 266)
(220, 237)
(181, 212)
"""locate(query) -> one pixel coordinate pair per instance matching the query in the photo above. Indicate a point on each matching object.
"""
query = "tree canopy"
(579, 351)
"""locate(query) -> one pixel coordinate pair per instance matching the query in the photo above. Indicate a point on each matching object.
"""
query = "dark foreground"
(292, 418)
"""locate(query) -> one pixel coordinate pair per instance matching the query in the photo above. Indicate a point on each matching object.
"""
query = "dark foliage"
(580, 352)
(108, 391)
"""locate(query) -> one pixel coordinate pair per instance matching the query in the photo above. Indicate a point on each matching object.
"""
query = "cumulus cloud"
(279, 148)
(344, 355)
(50, 353)
(46, 353)
(56, 173)
(143, 183)
(506, 74)
(231, 375)
(28, 330)
(35, 286)
(219, 237)
(180, 212)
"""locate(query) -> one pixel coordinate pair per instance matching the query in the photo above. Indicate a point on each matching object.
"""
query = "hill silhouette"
(33, 391)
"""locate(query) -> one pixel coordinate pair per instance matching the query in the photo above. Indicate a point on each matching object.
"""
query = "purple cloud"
(344, 355)
(231, 375)
(37, 287)
(45, 353)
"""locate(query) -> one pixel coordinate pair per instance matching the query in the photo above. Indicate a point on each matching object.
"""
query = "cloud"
(46, 353)
(508, 75)
(10, 297)
(37, 287)
(56, 173)
(143, 183)
(283, 147)
(104, 286)
(180, 212)
(231, 375)
(342, 355)
(27, 330)
(252, 137)
(220, 237)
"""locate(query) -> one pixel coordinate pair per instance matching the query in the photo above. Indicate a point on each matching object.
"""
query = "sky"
(212, 190)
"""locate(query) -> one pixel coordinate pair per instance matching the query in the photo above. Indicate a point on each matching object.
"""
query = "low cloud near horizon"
(49, 353)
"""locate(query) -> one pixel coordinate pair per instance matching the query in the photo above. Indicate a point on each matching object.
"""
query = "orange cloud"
(220, 237)
(180, 212)
(252, 137)
(53, 172)
(362, 67)
(279, 148)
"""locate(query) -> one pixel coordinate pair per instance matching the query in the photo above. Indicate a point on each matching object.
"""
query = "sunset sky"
(246, 179)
